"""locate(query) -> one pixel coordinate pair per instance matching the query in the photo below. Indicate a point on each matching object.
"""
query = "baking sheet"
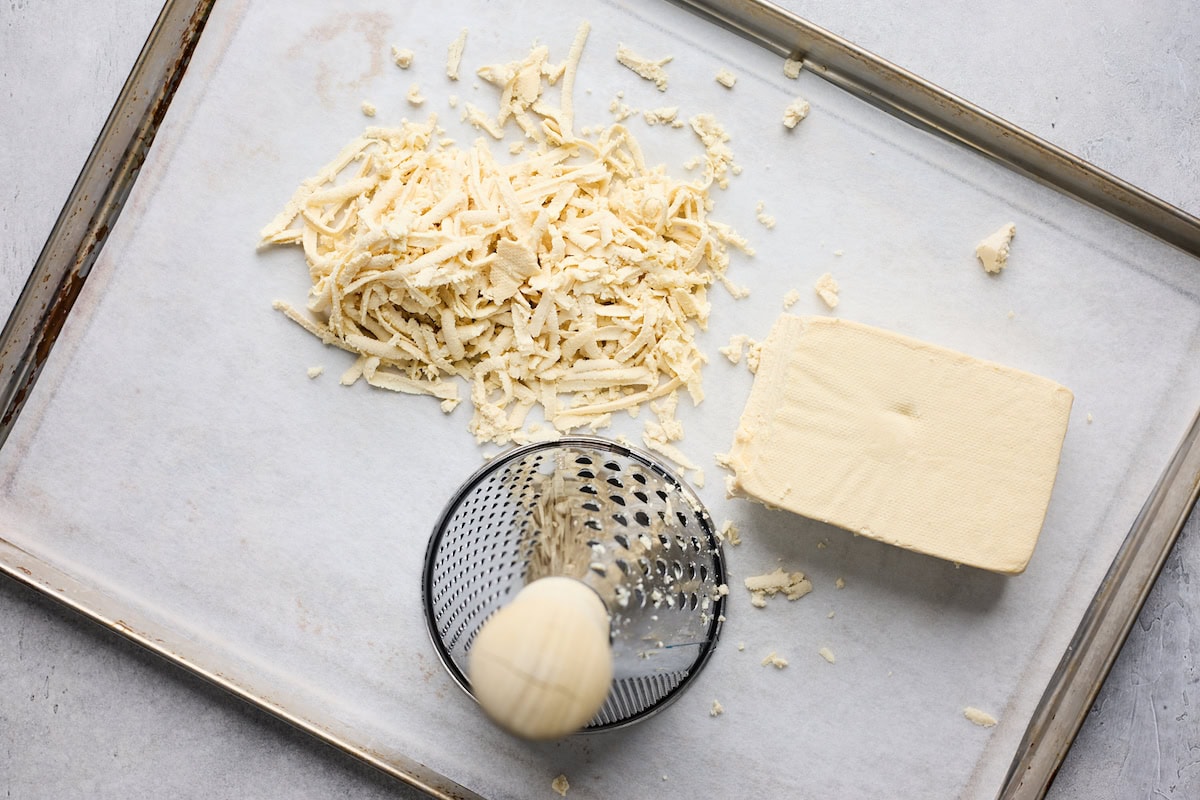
(176, 458)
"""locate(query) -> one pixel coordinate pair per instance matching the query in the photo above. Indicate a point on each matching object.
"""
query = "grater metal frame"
(520, 453)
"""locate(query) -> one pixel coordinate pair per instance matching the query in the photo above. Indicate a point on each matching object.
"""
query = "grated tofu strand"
(573, 278)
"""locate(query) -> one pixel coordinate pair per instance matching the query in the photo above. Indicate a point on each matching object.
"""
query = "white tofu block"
(901, 441)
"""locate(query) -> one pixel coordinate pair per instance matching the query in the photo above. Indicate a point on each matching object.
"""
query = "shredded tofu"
(840, 583)
(414, 95)
(368, 109)
(733, 350)
(827, 289)
(827, 654)
(560, 785)
(726, 78)
(716, 710)
(573, 279)
(774, 660)
(650, 69)
(718, 158)
(315, 372)
(791, 298)
(792, 67)
(795, 113)
(793, 585)
(728, 532)
(402, 56)
(454, 55)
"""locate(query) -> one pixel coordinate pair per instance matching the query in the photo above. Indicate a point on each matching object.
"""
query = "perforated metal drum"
(613, 518)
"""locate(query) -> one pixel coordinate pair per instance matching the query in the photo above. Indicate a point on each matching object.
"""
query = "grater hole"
(593, 525)
(644, 564)
(683, 520)
(591, 505)
(621, 519)
(693, 600)
(583, 460)
(621, 538)
(587, 473)
(703, 573)
(587, 488)
(677, 569)
(660, 567)
(639, 597)
(661, 495)
(640, 495)
(622, 565)
(666, 541)
(642, 518)
(639, 477)
(615, 481)
(616, 498)
(613, 465)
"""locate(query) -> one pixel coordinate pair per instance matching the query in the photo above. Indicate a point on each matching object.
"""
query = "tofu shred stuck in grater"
(573, 584)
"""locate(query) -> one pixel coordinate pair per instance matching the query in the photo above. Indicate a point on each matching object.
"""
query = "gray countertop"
(83, 713)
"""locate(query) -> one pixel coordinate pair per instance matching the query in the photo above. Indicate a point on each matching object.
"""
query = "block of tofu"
(901, 441)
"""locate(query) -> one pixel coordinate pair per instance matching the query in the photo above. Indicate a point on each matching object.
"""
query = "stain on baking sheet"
(373, 28)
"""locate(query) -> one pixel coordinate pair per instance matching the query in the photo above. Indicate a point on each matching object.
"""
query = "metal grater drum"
(607, 515)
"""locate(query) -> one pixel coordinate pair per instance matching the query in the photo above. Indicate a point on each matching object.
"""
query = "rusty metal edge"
(1106, 624)
(63, 589)
(1110, 616)
(75, 241)
(94, 203)
(926, 105)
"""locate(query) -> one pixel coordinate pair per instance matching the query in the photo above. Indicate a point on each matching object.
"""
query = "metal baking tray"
(170, 472)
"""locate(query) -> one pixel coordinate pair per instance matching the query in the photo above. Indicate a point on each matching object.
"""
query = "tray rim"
(108, 175)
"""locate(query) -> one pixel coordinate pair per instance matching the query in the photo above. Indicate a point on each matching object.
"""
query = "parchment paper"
(176, 458)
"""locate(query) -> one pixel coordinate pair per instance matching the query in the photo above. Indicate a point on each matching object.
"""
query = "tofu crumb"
(723, 590)
(992, 252)
(726, 78)
(315, 372)
(414, 95)
(516, 148)
(795, 112)
(1012, 314)
(827, 654)
(1089, 418)
(560, 785)
(793, 585)
(665, 115)
(791, 298)
(716, 710)
(402, 56)
(718, 159)
(829, 615)
(728, 532)
(452, 101)
(648, 68)
(839, 253)
(792, 67)
(979, 717)
(741, 646)
(827, 289)
(454, 55)
(840, 583)
(765, 219)
(774, 660)
(368, 109)
(753, 355)
(733, 350)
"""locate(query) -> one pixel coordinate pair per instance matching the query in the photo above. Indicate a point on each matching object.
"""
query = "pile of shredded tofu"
(573, 278)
